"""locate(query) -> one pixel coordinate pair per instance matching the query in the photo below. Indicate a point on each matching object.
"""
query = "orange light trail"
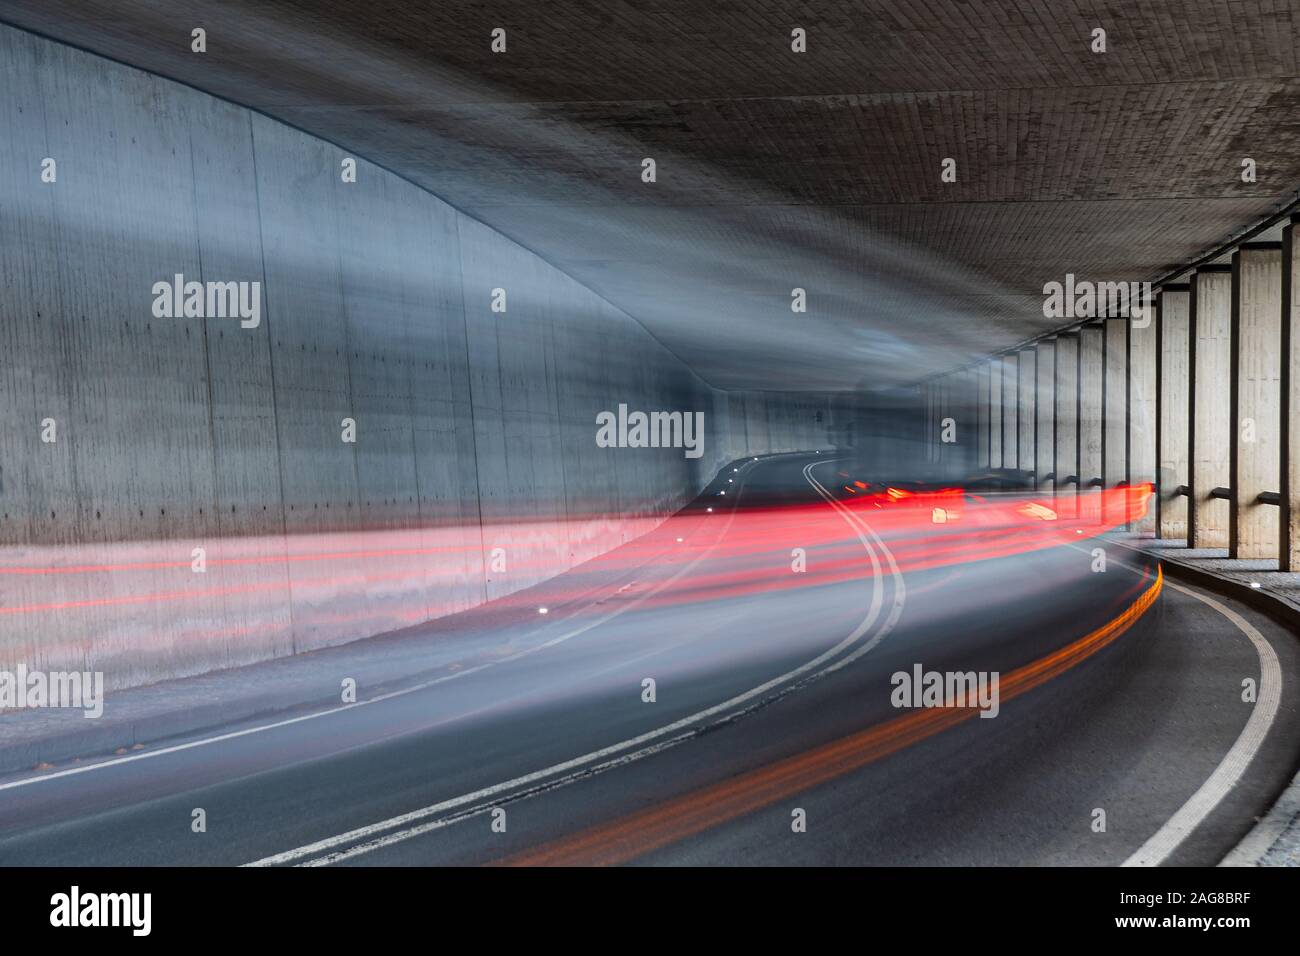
(630, 837)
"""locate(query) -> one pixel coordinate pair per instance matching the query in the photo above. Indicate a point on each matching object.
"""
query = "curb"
(1284, 815)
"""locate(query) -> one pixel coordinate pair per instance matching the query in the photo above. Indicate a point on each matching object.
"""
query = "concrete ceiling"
(775, 169)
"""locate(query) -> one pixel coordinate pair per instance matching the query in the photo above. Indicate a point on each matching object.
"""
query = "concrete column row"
(1196, 395)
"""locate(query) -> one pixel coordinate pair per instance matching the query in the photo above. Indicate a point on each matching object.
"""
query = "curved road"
(524, 738)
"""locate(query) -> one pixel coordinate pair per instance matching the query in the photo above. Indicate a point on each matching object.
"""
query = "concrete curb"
(1259, 599)
(1265, 844)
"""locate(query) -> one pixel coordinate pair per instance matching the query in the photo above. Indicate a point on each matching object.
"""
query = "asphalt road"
(772, 705)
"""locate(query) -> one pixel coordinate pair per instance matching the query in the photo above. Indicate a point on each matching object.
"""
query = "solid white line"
(478, 802)
(415, 688)
(466, 810)
(900, 591)
(1217, 786)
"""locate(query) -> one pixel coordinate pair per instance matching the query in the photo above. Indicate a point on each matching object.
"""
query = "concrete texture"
(982, 412)
(1114, 468)
(1092, 424)
(969, 410)
(996, 412)
(1210, 441)
(932, 397)
(1173, 399)
(1044, 403)
(474, 429)
(1255, 400)
(1141, 430)
(1026, 408)
(1289, 518)
(1067, 415)
(1010, 411)
(955, 432)
(941, 401)
(765, 154)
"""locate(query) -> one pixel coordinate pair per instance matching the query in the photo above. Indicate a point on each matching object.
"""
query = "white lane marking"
(326, 851)
(900, 591)
(1217, 786)
(465, 812)
(415, 688)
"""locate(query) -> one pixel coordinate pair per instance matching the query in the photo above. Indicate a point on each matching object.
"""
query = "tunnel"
(676, 434)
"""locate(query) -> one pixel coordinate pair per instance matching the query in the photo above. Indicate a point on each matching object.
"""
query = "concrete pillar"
(1114, 404)
(1067, 414)
(995, 413)
(942, 412)
(1092, 354)
(928, 429)
(944, 401)
(970, 415)
(1142, 411)
(1256, 460)
(1010, 407)
(953, 411)
(962, 429)
(1172, 399)
(982, 415)
(1026, 406)
(1044, 402)
(1289, 518)
(1210, 437)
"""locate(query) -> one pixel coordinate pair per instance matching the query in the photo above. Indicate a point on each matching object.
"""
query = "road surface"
(772, 736)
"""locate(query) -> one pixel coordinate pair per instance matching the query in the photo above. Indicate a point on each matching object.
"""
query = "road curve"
(1121, 700)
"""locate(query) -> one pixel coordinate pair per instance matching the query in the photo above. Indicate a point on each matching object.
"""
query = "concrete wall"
(475, 429)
